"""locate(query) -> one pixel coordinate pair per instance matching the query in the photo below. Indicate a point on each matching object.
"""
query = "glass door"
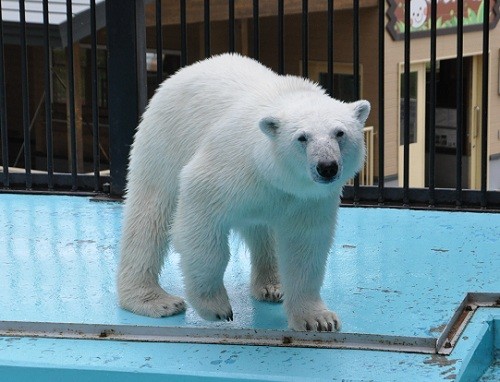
(474, 132)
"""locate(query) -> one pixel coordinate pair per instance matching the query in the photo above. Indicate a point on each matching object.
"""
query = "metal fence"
(127, 41)
(29, 23)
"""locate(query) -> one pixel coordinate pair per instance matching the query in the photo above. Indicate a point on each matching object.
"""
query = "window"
(83, 69)
(343, 79)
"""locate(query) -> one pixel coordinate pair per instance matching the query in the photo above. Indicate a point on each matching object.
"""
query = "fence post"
(127, 95)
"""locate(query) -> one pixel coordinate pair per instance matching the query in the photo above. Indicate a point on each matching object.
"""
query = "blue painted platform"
(392, 271)
(480, 342)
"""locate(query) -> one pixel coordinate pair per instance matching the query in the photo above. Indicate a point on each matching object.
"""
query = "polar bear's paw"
(319, 321)
(154, 302)
(269, 292)
(213, 307)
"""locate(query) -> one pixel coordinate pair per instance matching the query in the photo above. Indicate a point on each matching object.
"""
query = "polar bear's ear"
(361, 110)
(269, 126)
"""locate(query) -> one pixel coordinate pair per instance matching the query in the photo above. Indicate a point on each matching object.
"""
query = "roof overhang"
(58, 25)
(242, 9)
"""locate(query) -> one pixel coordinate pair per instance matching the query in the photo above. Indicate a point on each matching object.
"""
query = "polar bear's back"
(231, 73)
(198, 101)
(201, 94)
(214, 87)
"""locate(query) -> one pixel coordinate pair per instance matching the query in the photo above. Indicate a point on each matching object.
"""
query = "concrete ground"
(392, 272)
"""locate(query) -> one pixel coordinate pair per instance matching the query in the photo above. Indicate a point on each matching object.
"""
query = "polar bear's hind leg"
(144, 243)
(265, 281)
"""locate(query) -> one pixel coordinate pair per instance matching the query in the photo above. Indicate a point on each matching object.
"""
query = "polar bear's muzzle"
(324, 159)
(326, 171)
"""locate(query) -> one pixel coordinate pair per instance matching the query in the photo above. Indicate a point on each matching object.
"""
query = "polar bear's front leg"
(204, 259)
(302, 260)
(204, 250)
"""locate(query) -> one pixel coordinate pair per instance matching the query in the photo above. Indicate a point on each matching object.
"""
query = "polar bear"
(227, 144)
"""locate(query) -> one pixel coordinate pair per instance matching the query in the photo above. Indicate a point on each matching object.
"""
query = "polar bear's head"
(316, 142)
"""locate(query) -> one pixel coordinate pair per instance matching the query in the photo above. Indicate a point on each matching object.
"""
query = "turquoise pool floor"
(480, 342)
(391, 272)
(493, 371)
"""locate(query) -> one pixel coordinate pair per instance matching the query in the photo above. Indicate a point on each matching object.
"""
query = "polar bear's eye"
(340, 134)
(302, 138)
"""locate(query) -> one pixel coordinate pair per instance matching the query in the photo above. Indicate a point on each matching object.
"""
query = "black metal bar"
(460, 99)
(48, 98)
(4, 137)
(355, 47)
(419, 197)
(406, 122)
(206, 22)
(432, 105)
(95, 96)
(305, 39)
(71, 94)
(125, 22)
(256, 36)
(25, 96)
(231, 26)
(183, 33)
(381, 100)
(484, 100)
(159, 43)
(62, 182)
(281, 37)
(357, 87)
(142, 71)
(330, 29)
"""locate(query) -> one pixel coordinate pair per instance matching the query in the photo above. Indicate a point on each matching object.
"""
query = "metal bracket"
(472, 301)
(260, 337)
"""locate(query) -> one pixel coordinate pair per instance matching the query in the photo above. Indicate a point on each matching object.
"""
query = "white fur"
(218, 149)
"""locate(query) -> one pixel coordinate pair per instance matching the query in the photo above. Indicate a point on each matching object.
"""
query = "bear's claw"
(213, 307)
(152, 302)
(324, 321)
(228, 317)
(271, 293)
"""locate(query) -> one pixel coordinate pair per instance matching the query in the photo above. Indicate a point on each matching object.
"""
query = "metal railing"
(366, 177)
(39, 31)
(128, 40)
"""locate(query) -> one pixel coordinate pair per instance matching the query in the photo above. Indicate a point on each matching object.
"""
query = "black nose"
(327, 170)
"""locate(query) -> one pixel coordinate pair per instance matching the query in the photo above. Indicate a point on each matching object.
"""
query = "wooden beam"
(243, 25)
(243, 9)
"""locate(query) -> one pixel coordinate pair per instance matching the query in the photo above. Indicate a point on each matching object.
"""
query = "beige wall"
(420, 51)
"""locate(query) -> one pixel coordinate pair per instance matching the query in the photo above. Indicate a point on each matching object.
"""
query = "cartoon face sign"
(418, 15)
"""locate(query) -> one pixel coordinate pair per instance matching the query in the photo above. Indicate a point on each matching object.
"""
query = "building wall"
(318, 48)
(446, 48)
(14, 99)
(342, 45)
